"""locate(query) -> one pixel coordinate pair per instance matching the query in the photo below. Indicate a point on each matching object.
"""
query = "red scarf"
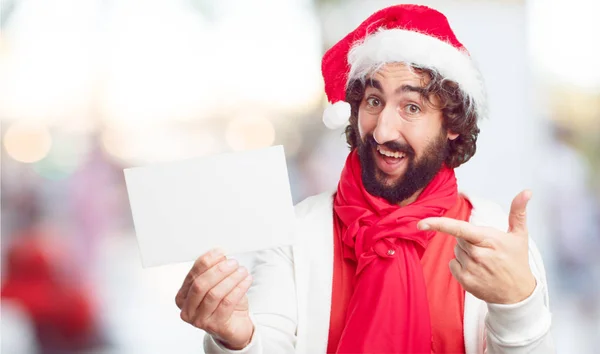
(388, 310)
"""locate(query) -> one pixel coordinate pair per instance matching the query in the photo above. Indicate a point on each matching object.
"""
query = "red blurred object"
(60, 308)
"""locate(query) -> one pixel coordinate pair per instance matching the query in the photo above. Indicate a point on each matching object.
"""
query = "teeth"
(389, 153)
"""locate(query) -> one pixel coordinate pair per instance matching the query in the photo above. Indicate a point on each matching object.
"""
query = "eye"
(412, 109)
(373, 102)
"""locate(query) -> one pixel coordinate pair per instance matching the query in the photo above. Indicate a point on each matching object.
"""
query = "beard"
(418, 173)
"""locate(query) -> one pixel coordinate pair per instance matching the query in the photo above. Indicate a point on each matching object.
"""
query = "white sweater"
(290, 297)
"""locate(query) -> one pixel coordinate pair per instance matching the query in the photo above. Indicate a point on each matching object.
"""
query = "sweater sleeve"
(272, 299)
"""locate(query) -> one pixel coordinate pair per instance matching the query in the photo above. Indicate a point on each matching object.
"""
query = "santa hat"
(416, 35)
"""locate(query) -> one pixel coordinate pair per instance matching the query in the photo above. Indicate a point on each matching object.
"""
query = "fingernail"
(231, 263)
(242, 270)
(423, 226)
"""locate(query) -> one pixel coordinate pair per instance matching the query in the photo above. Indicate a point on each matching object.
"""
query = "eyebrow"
(404, 88)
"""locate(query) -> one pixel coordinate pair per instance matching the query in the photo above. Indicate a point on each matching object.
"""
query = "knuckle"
(491, 242)
(184, 316)
(519, 215)
(222, 268)
(213, 295)
(199, 323)
(494, 244)
(196, 286)
(179, 301)
(476, 255)
(465, 279)
(227, 302)
(199, 286)
(204, 262)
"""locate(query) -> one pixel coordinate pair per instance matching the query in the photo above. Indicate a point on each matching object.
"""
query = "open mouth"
(390, 154)
(389, 162)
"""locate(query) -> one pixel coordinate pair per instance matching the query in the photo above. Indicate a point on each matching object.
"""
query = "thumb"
(517, 219)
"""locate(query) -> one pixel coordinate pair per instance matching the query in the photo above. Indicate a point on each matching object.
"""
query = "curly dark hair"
(453, 103)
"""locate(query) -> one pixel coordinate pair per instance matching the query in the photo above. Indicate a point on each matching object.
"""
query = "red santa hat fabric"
(413, 34)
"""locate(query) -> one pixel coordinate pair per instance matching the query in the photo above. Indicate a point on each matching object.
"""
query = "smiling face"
(403, 143)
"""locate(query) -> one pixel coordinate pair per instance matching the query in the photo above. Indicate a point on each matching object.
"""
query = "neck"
(411, 199)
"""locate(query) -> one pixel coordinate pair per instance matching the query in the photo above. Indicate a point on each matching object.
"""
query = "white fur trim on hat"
(420, 50)
(336, 115)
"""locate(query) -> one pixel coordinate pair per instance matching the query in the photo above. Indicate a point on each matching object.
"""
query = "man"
(396, 260)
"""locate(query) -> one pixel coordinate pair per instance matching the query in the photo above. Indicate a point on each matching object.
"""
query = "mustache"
(393, 146)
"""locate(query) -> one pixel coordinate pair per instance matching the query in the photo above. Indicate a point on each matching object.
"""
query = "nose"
(387, 126)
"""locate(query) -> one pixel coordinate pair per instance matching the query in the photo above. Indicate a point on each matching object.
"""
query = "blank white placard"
(238, 201)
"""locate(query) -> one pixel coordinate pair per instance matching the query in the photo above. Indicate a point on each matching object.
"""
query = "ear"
(452, 136)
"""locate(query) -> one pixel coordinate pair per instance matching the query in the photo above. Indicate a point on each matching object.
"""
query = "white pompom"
(336, 115)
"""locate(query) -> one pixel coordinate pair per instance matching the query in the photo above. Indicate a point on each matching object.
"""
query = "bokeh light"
(67, 153)
(27, 142)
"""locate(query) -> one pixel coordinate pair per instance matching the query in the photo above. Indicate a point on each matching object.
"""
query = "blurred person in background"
(39, 280)
(396, 260)
(573, 212)
(573, 224)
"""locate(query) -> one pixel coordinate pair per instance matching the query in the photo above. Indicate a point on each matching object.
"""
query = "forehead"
(394, 74)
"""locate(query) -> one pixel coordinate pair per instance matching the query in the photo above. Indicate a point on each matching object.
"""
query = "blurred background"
(89, 87)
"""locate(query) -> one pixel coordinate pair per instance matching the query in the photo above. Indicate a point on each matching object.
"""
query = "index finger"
(201, 265)
(457, 228)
